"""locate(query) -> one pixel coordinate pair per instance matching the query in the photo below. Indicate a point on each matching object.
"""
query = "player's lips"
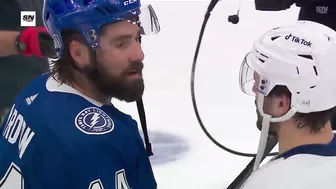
(135, 73)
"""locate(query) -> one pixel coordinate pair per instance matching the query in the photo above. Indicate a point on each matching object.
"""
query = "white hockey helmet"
(300, 56)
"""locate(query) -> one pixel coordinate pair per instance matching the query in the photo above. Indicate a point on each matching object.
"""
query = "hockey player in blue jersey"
(62, 131)
(291, 72)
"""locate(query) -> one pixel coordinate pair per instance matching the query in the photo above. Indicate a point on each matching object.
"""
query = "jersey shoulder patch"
(94, 121)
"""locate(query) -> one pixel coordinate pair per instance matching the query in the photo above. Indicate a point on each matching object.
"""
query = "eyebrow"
(127, 36)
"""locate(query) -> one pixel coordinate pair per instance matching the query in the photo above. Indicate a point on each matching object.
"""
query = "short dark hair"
(64, 65)
(314, 120)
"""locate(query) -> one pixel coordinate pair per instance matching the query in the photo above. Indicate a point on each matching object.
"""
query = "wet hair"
(64, 66)
(314, 120)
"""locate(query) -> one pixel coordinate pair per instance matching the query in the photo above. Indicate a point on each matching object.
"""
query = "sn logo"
(28, 18)
(322, 9)
(129, 2)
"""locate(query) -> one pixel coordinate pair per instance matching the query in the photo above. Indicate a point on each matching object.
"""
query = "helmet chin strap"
(267, 119)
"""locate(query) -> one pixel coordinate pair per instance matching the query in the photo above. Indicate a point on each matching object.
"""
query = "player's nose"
(137, 54)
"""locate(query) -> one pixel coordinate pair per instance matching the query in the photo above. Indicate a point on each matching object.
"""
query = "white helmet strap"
(267, 119)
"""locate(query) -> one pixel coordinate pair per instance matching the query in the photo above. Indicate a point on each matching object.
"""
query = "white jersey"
(304, 167)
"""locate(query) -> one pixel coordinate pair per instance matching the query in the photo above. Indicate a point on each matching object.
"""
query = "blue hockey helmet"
(89, 16)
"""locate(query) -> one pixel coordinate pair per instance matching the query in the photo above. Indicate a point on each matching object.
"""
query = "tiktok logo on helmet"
(298, 40)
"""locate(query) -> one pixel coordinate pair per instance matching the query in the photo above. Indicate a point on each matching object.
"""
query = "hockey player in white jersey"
(291, 72)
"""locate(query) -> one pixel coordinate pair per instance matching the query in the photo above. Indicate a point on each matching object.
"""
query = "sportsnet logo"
(322, 9)
(28, 18)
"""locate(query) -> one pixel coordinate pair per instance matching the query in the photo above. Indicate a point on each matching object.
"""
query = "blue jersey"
(56, 138)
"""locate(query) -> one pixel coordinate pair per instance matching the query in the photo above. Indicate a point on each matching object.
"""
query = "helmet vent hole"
(312, 87)
(261, 60)
(274, 38)
(306, 56)
(263, 55)
(110, 10)
(100, 11)
(315, 70)
(297, 70)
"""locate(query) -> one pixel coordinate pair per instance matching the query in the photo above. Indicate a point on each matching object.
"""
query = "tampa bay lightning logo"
(94, 121)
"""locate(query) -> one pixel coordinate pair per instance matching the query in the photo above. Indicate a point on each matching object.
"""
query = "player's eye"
(138, 38)
(123, 43)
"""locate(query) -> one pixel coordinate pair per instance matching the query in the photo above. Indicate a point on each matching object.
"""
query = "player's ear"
(281, 105)
(80, 53)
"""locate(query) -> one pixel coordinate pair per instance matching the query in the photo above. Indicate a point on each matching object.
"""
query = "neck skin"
(87, 88)
(289, 136)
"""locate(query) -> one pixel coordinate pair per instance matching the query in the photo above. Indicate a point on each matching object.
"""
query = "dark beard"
(117, 87)
(259, 121)
(272, 128)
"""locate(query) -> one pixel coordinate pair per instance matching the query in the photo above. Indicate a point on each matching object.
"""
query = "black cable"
(142, 116)
(192, 82)
(242, 177)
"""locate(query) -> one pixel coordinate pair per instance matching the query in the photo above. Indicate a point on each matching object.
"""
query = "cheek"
(112, 65)
(266, 106)
(110, 69)
(269, 107)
